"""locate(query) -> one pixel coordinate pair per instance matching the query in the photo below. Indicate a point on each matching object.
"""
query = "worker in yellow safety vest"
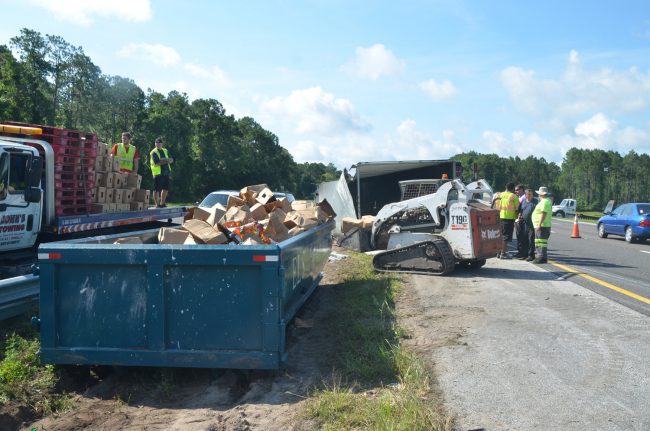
(507, 202)
(161, 167)
(542, 216)
(126, 154)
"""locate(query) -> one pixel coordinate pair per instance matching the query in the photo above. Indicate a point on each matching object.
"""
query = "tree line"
(592, 177)
(46, 80)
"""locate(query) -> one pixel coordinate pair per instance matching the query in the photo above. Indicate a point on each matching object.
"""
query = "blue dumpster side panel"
(175, 305)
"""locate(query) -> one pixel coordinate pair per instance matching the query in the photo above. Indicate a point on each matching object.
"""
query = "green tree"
(32, 49)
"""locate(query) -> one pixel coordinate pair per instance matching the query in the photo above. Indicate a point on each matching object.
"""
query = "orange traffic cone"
(576, 230)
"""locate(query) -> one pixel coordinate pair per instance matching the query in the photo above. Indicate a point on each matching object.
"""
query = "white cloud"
(439, 90)
(558, 103)
(374, 62)
(213, 74)
(314, 111)
(82, 12)
(155, 53)
(596, 132)
(411, 143)
(595, 127)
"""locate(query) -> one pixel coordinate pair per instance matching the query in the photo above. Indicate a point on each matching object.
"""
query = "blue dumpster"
(213, 306)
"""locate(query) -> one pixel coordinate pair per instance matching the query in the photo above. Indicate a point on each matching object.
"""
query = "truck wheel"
(628, 235)
(601, 231)
(560, 214)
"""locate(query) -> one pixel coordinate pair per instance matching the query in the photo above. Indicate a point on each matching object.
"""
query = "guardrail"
(587, 217)
(18, 295)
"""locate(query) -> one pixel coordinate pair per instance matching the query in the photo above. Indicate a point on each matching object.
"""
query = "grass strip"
(23, 379)
(376, 384)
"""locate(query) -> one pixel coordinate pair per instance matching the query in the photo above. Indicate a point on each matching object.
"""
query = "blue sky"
(343, 82)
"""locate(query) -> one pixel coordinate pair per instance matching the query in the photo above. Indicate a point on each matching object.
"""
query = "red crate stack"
(74, 167)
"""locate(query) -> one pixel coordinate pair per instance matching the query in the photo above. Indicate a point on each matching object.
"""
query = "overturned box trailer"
(376, 184)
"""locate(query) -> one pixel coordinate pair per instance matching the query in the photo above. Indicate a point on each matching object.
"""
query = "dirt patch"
(215, 400)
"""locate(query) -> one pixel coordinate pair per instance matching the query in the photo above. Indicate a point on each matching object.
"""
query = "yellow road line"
(602, 283)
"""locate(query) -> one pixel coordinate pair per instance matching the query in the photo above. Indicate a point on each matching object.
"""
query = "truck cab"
(565, 208)
(20, 195)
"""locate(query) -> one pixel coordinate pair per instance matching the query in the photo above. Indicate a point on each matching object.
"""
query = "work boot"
(505, 256)
(540, 260)
(530, 259)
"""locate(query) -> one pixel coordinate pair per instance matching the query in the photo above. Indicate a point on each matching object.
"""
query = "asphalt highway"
(610, 267)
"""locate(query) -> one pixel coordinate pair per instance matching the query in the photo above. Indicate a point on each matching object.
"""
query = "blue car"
(629, 220)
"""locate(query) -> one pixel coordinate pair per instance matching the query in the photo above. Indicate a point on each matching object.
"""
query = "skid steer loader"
(431, 233)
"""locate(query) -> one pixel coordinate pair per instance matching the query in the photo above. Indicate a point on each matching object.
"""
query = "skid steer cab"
(433, 233)
(20, 195)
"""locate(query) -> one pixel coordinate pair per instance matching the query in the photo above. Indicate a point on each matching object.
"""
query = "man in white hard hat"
(542, 215)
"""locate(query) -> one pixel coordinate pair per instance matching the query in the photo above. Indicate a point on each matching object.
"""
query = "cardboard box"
(142, 195)
(170, 235)
(123, 207)
(301, 205)
(234, 201)
(200, 214)
(293, 219)
(118, 196)
(99, 163)
(110, 195)
(265, 196)
(284, 204)
(133, 181)
(99, 179)
(204, 233)
(216, 213)
(327, 208)
(258, 212)
(321, 215)
(349, 223)
(93, 195)
(276, 229)
(116, 165)
(105, 180)
(128, 195)
(100, 195)
(136, 206)
(367, 221)
(190, 240)
(108, 163)
(99, 208)
(237, 214)
(118, 180)
(102, 149)
(129, 240)
(112, 207)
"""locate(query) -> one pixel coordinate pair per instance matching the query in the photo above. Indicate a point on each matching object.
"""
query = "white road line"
(644, 251)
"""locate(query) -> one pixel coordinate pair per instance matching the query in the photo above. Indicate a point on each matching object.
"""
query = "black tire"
(628, 235)
(560, 214)
(601, 231)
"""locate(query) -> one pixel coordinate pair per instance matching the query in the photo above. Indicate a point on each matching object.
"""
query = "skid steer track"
(433, 257)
